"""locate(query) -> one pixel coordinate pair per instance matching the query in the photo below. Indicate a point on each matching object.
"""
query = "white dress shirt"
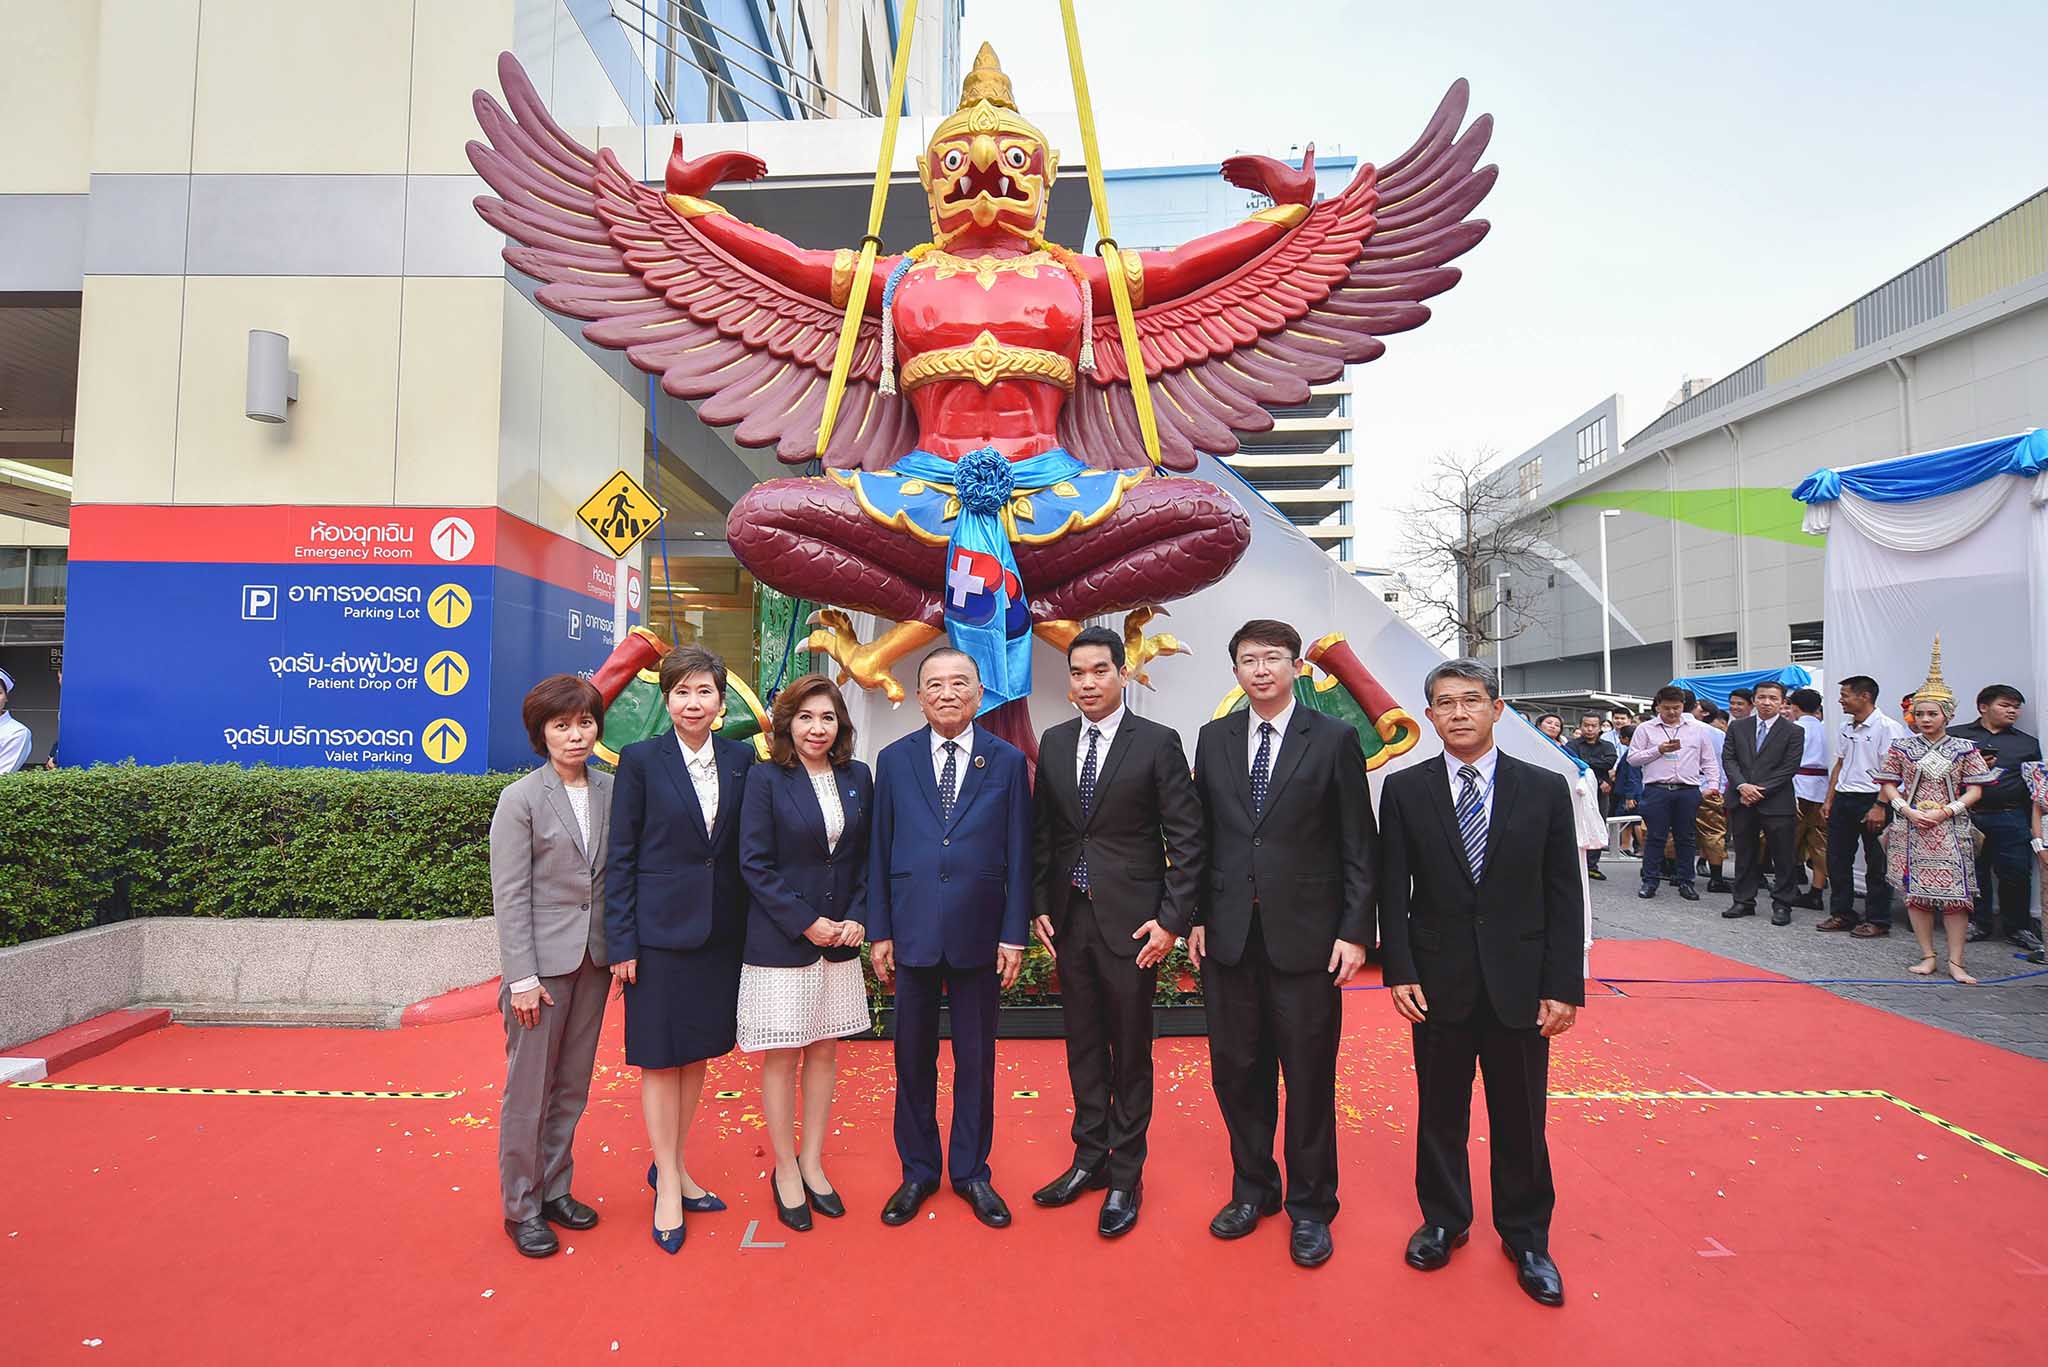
(1812, 787)
(14, 743)
(703, 767)
(965, 740)
(1107, 726)
(1251, 748)
(1862, 747)
(1486, 764)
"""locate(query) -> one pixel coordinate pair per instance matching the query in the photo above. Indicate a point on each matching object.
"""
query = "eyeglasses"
(1272, 659)
(1462, 703)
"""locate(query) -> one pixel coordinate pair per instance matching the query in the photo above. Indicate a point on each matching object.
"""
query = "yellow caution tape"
(1834, 1094)
(230, 1091)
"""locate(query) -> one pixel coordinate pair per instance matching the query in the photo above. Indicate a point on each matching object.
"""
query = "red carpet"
(219, 1229)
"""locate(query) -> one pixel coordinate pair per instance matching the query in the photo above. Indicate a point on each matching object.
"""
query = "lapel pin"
(980, 761)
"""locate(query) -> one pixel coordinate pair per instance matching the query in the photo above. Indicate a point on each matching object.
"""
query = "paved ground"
(2012, 1015)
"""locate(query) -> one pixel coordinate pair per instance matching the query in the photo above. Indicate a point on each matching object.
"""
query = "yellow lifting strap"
(864, 268)
(1112, 257)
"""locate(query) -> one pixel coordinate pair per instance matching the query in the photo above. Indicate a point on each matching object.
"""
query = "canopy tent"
(1715, 688)
(1953, 542)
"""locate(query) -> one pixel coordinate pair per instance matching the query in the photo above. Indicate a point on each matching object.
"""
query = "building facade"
(1707, 566)
(1303, 466)
(374, 580)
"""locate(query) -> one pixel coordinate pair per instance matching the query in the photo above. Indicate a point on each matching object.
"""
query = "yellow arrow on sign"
(620, 513)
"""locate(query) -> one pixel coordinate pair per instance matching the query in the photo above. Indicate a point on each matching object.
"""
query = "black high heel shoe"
(797, 1217)
(696, 1205)
(826, 1203)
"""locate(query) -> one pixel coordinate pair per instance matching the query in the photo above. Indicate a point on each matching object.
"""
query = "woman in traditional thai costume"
(1930, 780)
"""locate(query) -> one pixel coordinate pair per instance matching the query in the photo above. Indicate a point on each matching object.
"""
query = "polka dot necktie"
(1472, 820)
(1087, 802)
(949, 780)
(1262, 767)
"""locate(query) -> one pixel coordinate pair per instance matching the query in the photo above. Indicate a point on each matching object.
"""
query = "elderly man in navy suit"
(949, 907)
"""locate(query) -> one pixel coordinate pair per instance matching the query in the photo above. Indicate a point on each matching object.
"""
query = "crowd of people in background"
(1948, 819)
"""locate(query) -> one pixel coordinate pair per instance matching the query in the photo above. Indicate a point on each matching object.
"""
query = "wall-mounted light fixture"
(272, 382)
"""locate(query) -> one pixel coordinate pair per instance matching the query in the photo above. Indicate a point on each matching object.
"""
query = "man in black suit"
(1482, 924)
(1119, 869)
(1761, 758)
(1286, 912)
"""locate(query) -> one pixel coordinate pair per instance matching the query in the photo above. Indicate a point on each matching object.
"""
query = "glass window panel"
(47, 571)
(13, 575)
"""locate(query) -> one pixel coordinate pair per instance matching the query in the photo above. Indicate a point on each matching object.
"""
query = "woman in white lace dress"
(804, 855)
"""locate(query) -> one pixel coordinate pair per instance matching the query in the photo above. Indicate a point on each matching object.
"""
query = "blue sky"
(1682, 188)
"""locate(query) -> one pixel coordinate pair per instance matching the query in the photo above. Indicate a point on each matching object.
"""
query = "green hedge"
(78, 846)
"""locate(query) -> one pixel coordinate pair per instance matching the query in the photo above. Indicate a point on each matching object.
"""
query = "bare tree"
(1467, 524)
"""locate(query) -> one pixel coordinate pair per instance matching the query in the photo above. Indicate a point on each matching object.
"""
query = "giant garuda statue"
(986, 475)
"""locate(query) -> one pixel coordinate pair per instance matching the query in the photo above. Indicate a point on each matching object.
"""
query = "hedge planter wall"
(83, 846)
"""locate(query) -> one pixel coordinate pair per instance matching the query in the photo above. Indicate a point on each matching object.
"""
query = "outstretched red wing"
(1357, 269)
(746, 349)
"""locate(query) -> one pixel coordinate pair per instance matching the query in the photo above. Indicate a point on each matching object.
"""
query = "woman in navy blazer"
(804, 854)
(675, 916)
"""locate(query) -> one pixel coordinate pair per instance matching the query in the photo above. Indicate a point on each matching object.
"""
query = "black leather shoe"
(902, 1207)
(1781, 915)
(1068, 1186)
(1647, 891)
(1309, 1245)
(1688, 893)
(1537, 1276)
(1240, 1218)
(568, 1212)
(826, 1203)
(532, 1237)
(1719, 885)
(1809, 901)
(1120, 1211)
(1429, 1248)
(988, 1207)
(796, 1217)
(1738, 911)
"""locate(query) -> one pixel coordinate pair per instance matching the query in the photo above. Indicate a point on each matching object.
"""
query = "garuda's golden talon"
(1140, 649)
(868, 664)
(1058, 633)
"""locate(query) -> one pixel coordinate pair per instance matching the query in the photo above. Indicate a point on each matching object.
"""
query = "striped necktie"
(1472, 821)
(1080, 878)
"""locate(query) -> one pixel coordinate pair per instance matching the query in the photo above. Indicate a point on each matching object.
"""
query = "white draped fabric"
(1971, 565)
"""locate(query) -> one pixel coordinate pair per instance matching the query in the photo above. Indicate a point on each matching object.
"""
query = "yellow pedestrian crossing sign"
(620, 512)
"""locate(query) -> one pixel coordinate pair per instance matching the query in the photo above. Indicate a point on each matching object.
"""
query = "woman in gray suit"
(547, 888)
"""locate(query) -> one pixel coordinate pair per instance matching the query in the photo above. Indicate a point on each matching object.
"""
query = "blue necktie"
(949, 780)
(1472, 821)
(1087, 802)
(1262, 767)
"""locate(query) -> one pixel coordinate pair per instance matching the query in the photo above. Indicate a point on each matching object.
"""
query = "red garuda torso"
(985, 474)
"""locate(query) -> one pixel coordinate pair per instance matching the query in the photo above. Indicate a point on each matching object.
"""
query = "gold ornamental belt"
(986, 360)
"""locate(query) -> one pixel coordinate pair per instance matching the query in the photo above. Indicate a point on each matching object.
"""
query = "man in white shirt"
(1810, 790)
(15, 740)
(1855, 817)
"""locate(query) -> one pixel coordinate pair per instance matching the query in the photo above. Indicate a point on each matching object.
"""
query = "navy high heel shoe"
(670, 1241)
(696, 1205)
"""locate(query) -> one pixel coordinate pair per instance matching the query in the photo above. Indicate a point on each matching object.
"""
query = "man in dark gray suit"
(548, 840)
(1761, 759)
